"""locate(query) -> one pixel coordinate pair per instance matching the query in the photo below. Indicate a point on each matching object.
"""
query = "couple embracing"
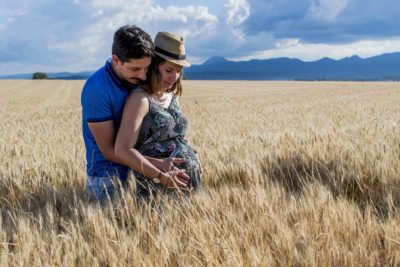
(131, 118)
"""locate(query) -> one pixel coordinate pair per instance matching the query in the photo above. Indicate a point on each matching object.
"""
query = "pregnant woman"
(153, 124)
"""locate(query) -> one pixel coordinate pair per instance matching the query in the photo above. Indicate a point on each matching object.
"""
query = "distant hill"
(70, 76)
(54, 75)
(379, 68)
(215, 60)
(383, 67)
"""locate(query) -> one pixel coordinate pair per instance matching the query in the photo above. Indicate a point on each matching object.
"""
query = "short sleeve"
(96, 104)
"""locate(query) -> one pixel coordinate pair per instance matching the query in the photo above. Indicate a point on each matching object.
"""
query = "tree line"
(41, 76)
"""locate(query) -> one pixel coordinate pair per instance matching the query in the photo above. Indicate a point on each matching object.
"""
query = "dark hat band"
(168, 54)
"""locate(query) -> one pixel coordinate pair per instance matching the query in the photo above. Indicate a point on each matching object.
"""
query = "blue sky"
(76, 35)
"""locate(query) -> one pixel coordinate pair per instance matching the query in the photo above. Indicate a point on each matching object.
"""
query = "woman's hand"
(174, 179)
(166, 164)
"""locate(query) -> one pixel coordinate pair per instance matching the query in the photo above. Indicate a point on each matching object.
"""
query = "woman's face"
(170, 73)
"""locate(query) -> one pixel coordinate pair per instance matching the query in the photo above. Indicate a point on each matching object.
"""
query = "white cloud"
(97, 13)
(64, 46)
(8, 17)
(284, 43)
(182, 14)
(121, 4)
(18, 12)
(187, 20)
(116, 13)
(309, 52)
(195, 60)
(326, 10)
(238, 33)
(95, 38)
(238, 11)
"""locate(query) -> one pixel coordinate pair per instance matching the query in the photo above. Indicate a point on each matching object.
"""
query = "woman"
(153, 124)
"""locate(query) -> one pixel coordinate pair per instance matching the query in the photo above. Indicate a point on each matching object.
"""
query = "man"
(102, 99)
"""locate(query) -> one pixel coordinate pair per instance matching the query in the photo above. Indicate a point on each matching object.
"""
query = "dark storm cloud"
(319, 22)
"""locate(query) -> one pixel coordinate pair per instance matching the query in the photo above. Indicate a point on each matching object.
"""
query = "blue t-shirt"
(102, 99)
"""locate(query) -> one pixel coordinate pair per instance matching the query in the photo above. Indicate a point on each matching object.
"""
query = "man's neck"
(115, 70)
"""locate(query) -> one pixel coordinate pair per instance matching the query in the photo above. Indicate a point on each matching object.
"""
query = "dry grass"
(296, 173)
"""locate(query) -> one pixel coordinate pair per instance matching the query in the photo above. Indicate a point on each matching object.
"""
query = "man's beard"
(135, 81)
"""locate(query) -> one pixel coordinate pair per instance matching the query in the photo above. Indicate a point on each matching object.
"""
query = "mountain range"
(52, 75)
(382, 67)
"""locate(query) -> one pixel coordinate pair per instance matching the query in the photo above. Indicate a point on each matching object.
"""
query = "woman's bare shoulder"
(137, 99)
(138, 93)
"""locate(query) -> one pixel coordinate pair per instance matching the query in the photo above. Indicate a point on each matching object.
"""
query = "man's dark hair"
(131, 42)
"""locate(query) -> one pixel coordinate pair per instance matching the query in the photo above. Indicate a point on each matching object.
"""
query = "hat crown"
(170, 42)
(171, 47)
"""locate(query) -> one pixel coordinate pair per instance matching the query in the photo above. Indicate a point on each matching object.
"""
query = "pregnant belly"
(176, 148)
(191, 164)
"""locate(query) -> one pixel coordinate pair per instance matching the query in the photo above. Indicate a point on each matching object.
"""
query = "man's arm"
(104, 134)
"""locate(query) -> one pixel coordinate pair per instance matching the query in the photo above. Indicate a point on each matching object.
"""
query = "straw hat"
(171, 47)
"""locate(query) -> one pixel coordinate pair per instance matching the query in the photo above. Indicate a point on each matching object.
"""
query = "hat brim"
(180, 62)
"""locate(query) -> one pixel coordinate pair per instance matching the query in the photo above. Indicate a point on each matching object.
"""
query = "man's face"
(133, 71)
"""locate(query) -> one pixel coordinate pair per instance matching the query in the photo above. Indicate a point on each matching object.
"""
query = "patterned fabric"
(161, 136)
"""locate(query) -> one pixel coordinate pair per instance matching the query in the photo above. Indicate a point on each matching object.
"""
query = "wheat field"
(295, 174)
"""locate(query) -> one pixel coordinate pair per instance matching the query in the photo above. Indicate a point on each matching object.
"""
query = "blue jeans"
(102, 187)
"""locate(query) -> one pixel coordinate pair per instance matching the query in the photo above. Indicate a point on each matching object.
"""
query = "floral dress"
(161, 136)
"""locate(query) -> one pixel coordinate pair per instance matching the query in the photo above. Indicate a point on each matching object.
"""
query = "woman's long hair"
(154, 78)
